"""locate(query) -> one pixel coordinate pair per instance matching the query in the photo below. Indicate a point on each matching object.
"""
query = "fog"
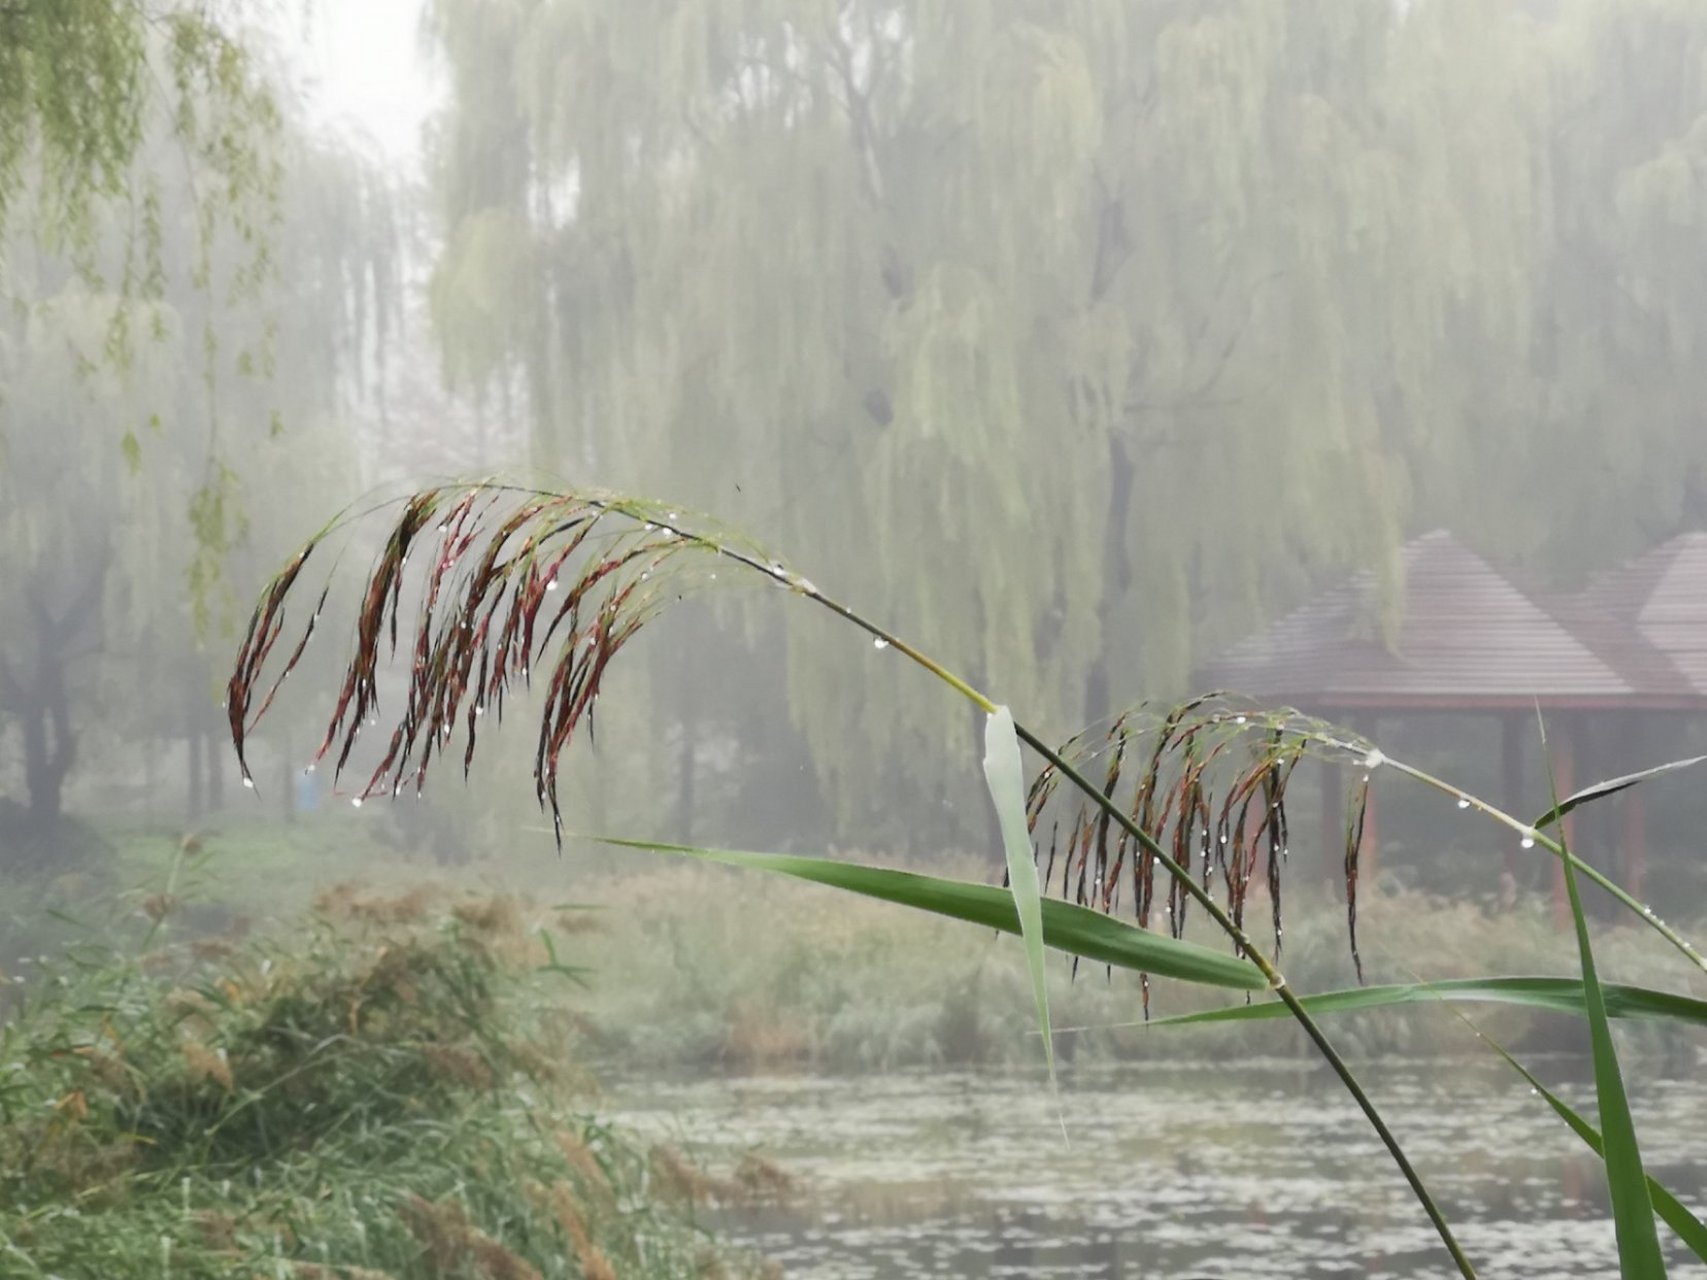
(821, 379)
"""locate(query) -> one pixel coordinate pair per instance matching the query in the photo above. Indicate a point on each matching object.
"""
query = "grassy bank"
(386, 1090)
(697, 966)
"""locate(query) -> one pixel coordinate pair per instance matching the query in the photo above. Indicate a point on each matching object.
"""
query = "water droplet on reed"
(355, 802)
(248, 782)
(1375, 759)
(1463, 802)
(1528, 841)
(880, 643)
(551, 585)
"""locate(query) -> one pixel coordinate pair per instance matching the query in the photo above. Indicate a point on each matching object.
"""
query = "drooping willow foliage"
(190, 301)
(1138, 315)
(86, 84)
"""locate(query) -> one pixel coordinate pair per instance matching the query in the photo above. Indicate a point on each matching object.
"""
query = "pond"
(1183, 1170)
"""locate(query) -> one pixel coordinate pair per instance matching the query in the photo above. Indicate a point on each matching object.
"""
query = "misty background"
(1074, 341)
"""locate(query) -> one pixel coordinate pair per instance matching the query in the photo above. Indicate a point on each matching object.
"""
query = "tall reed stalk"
(512, 579)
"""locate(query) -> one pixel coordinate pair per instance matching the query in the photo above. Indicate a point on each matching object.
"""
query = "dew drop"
(551, 585)
(1375, 759)
(880, 643)
(248, 782)
(1239, 719)
(671, 515)
(307, 770)
(1463, 802)
(1528, 841)
(355, 802)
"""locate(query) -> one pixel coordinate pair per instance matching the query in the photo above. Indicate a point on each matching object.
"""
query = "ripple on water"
(1182, 1170)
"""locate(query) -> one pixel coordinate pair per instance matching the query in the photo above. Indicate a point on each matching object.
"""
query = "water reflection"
(1185, 1170)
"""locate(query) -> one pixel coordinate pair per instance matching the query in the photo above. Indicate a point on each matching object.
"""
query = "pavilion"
(1632, 645)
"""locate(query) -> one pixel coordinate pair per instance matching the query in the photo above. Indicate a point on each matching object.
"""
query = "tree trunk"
(50, 747)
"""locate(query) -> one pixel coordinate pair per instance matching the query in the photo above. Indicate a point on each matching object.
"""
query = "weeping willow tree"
(134, 486)
(83, 85)
(1144, 317)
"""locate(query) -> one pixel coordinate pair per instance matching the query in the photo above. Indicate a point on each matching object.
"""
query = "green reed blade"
(1073, 929)
(1005, 776)
(1554, 995)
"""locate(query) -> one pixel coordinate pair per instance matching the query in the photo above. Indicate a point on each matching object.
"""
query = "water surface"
(1176, 1171)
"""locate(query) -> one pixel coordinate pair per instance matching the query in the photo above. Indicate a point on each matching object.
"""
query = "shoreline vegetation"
(384, 1088)
(691, 968)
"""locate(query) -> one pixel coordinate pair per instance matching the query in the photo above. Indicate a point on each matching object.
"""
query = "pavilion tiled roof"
(1468, 639)
(1661, 597)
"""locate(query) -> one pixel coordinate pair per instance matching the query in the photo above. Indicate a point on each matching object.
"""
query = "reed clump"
(383, 1092)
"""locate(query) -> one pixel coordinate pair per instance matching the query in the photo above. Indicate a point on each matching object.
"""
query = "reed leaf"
(1548, 994)
(1004, 774)
(1673, 1212)
(1076, 930)
(1611, 787)
(1639, 1253)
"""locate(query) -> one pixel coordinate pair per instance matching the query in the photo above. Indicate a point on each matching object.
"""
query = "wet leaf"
(1553, 995)
(1004, 774)
(1075, 930)
(1611, 787)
